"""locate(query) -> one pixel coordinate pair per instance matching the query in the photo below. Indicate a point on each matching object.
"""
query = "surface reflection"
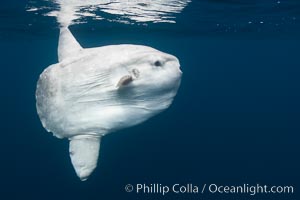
(123, 11)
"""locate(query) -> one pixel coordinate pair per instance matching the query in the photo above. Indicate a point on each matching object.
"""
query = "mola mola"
(94, 91)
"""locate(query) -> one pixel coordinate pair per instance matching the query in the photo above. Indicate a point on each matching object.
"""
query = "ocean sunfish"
(94, 91)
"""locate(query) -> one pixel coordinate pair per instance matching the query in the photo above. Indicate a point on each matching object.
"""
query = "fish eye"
(157, 63)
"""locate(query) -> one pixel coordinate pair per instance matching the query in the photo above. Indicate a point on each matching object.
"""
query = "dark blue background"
(235, 119)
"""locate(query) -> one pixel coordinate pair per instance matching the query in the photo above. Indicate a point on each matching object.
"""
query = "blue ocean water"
(235, 119)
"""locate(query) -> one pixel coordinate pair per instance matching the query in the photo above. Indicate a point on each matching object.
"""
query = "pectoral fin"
(125, 80)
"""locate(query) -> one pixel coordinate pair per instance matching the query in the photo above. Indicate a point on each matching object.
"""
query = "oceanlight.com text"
(190, 188)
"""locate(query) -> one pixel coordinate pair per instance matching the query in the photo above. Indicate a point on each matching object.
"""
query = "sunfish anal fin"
(67, 45)
(84, 152)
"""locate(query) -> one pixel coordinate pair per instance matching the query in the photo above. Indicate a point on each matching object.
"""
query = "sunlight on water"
(123, 11)
(205, 17)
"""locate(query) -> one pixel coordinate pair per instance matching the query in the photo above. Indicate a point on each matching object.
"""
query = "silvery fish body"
(95, 91)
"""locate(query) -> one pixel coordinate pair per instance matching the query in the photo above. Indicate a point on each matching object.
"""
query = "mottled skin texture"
(92, 92)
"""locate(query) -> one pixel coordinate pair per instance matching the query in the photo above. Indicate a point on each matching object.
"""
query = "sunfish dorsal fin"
(67, 45)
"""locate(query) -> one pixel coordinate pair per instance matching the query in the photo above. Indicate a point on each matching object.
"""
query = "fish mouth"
(179, 70)
(176, 66)
(174, 62)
